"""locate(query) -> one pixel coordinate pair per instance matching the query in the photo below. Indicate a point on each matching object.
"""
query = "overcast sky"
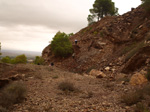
(30, 24)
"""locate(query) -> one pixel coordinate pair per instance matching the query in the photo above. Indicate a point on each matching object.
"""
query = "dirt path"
(93, 95)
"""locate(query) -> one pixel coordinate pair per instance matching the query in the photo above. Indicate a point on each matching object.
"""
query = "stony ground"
(92, 94)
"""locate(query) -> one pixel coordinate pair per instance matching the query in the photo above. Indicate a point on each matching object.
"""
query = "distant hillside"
(14, 53)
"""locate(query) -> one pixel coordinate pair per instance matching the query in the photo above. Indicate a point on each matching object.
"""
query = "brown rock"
(15, 77)
(97, 73)
(138, 79)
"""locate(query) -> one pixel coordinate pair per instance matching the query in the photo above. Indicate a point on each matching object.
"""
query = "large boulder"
(138, 79)
(97, 73)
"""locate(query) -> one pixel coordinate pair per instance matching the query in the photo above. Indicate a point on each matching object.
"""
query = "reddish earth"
(92, 95)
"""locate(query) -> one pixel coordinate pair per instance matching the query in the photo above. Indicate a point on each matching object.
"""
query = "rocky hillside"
(113, 44)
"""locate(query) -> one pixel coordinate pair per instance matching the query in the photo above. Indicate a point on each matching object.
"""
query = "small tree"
(90, 19)
(6, 59)
(61, 45)
(103, 8)
(20, 59)
(39, 60)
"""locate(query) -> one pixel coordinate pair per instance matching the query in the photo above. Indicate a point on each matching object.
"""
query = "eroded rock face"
(141, 58)
(138, 79)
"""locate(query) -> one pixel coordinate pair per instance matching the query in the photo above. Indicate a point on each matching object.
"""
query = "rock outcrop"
(138, 79)
(97, 74)
(112, 41)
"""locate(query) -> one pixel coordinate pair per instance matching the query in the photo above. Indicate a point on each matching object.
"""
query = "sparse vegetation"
(134, 50)
(18, 59)
(61, 45)
(90, 94)
(132, 97)
(39, 60)
(6, 59)
(21, 59)
(140, 107)
(146, 89)
(55, 77)
(95, 33)
(66, 86)
(128, 48)
(125, 79)
(102, 34)
(12, 93)
(109, 86)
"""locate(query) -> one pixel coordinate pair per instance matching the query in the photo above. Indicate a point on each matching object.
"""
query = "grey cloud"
(31, 24)
(53, 14)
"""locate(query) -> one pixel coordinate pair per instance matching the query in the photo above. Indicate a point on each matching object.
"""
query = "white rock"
(107, 68)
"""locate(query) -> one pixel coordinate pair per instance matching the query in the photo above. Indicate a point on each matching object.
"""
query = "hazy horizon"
(14, 53)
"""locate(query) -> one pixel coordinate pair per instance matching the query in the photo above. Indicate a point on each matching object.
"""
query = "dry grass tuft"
(67, 86)
(13, 93)
(132, 97)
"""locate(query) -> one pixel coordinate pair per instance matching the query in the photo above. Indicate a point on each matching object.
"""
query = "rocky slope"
(113, 44)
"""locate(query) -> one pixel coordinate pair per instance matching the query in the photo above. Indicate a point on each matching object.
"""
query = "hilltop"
(116, 42)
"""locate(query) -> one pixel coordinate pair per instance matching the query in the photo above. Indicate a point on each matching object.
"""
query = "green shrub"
(20, 59)
(39, 60)
(6, 59)
(13, 61)
(66, 86)
(61, 45)
(95, 33)
(132, 97)
(13, 93)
